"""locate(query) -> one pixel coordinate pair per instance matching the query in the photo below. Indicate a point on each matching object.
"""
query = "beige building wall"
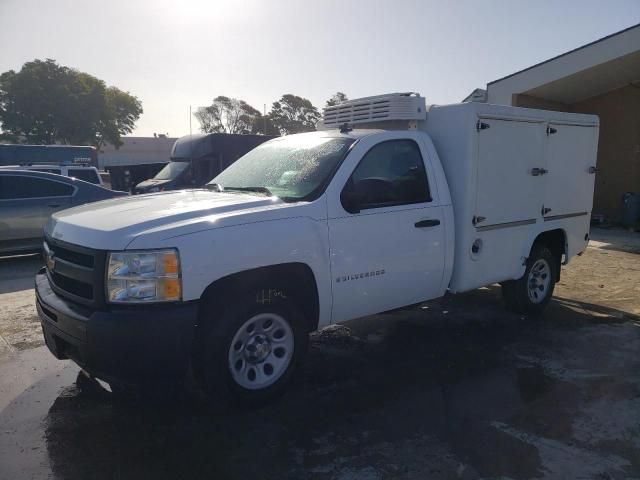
(618, 147)
(527, 101)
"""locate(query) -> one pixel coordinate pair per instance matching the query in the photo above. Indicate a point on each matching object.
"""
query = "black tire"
(517, 294)
(213, 365)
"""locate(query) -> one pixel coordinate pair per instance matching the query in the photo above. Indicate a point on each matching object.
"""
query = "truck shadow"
(18, 272)
(460, 384)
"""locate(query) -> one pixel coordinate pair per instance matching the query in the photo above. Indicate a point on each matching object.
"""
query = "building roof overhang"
(601, 66)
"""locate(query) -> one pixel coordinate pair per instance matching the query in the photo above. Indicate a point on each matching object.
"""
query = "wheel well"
(291, 280)
(556, 241)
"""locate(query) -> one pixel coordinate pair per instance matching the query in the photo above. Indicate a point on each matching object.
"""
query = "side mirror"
(350, 200)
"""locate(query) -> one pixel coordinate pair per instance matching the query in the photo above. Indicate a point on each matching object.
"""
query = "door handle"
(427, 223)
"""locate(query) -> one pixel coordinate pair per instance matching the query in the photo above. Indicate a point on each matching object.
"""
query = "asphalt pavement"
(455, 388)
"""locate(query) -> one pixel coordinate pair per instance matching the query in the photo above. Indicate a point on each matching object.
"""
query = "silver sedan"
(28, 198)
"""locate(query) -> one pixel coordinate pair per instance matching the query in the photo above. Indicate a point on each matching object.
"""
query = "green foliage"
(263, 125)
(229, 115)
(46, 103)
(336, 99)
(290, 114)
(293, 114)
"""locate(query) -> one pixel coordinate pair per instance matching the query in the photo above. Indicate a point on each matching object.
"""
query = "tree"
(263, 125)
(293, 114)
(336, 99)
(47, 103)
(229, 115)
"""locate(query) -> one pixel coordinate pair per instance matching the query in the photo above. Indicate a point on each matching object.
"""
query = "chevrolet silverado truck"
(389, 204)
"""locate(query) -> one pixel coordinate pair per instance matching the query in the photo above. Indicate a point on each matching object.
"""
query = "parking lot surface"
(455, 388)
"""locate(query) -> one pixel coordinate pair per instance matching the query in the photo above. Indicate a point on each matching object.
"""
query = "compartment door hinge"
(482, 126)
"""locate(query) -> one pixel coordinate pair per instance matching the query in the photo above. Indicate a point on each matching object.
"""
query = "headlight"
(144, 277)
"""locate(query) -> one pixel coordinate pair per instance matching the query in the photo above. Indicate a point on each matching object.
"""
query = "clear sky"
(176, 53)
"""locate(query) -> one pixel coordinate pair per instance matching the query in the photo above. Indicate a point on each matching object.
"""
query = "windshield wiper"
(262, 190)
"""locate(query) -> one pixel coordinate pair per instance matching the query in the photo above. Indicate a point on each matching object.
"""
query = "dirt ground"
(455, 388)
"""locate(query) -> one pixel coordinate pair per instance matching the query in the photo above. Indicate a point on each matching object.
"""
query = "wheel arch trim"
(270, 282)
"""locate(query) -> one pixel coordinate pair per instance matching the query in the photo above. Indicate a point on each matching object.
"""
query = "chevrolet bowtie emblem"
(51, 261)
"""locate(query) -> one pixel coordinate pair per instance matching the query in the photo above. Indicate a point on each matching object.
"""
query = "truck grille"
(73, 286)
(75, 272)
(78, 258)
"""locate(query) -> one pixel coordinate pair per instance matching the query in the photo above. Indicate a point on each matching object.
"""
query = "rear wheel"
(251, 351)
(532, 292)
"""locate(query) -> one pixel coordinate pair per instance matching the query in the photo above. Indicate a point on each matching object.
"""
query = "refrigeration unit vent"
(380, 108)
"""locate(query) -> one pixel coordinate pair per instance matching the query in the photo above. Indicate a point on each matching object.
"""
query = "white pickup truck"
(390, 205)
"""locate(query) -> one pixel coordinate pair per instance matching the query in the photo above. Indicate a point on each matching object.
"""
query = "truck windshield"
(291, 167)
(171, 170)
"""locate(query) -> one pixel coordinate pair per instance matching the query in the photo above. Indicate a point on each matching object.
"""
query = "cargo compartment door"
(571, 160)
(510, 186)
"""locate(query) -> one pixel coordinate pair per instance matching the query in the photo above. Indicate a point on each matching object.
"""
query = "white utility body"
(513, 173)
(392, 203)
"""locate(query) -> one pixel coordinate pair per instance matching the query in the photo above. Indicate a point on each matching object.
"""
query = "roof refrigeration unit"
(393, 111)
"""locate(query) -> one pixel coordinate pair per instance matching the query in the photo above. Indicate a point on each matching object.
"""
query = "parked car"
(318, 228)
(86, 173)
(28, 198)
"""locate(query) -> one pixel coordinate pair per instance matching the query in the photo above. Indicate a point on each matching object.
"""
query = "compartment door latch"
(478, 219)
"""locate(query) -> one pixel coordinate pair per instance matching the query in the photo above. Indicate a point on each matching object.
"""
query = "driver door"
(386, 228)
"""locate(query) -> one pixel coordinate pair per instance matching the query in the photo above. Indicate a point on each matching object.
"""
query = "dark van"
(196, 159)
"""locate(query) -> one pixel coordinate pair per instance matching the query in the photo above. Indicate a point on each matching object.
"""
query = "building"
(478, 95)
(602, 78)
(137, 151)
(136, 160)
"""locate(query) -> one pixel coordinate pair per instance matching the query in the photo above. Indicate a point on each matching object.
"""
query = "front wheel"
(252, 350)
(261, 351)
(532, 292)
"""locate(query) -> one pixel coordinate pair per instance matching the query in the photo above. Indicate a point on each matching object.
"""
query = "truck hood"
(114, 224)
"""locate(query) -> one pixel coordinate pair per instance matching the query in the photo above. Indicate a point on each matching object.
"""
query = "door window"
(16, 186)
(391, 173)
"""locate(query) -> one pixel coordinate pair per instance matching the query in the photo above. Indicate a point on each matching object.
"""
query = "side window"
(391, 173)
(17, 186)
(86, 174)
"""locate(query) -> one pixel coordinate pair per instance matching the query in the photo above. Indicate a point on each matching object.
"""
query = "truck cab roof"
(355, 133)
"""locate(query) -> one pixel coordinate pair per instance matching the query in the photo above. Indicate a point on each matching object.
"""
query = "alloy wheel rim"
(539, 281)
(261, 351)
